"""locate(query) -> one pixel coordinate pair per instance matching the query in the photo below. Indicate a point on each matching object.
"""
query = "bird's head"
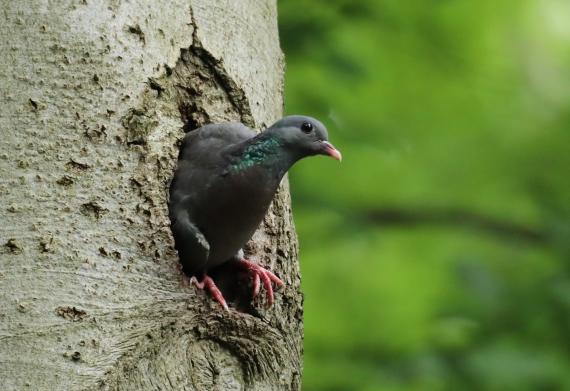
(304, 136)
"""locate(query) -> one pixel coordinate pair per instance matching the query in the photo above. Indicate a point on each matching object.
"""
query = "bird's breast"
(232, 209)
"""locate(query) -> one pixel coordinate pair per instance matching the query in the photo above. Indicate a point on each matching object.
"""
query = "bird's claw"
(209, 285)
(260, 276)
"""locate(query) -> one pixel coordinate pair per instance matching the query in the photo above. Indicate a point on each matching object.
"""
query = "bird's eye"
(307, 127)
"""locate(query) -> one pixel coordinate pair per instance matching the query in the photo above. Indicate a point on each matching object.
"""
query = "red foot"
(209, 285)
(261, 275)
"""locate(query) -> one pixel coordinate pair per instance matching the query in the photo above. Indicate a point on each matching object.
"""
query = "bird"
(226, 177)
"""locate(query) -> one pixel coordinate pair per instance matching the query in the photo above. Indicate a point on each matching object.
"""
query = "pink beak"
(330, 150)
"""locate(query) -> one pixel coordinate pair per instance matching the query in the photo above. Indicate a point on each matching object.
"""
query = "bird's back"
(202, 155)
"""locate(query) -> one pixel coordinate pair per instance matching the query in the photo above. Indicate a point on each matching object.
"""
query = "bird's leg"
(209, 285)
(260, 275)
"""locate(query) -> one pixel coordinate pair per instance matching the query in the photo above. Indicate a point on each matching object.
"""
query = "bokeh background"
(436, 256)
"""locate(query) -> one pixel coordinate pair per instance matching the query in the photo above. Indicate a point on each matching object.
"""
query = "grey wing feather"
(202, 153)
(202, 145)
(192, 246)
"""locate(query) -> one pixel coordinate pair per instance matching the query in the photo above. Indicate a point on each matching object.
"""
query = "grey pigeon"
(226, 177)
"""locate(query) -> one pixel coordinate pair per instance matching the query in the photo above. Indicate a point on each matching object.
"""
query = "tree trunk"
(97, 95)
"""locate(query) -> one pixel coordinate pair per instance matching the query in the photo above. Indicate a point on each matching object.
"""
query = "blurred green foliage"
(436, 256)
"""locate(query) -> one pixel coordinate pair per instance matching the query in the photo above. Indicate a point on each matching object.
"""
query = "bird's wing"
(192, 246)
(203, 147)
(202, 155)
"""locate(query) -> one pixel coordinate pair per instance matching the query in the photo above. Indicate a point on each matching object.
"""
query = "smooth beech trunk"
(96, 95)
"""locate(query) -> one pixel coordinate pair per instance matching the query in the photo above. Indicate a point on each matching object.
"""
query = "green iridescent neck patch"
(257, 153)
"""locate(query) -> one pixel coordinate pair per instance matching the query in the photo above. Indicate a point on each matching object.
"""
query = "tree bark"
(96, 97)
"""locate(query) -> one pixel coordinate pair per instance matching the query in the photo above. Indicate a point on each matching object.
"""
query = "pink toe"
(256, 284)
(209, 285)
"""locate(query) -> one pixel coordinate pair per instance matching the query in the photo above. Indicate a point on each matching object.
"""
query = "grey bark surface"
(96, 96)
